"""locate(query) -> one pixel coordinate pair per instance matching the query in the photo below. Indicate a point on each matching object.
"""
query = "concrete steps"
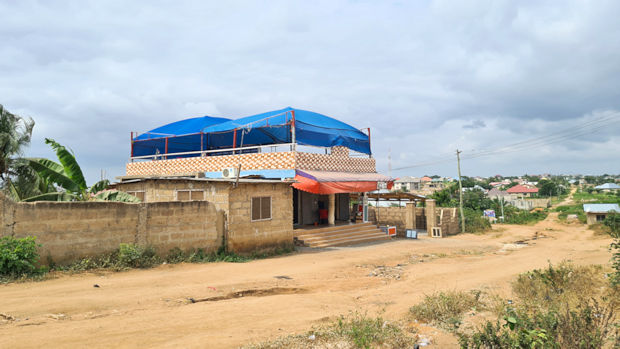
(340, 235)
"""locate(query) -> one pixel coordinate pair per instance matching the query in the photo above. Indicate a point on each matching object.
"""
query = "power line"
(535, 142)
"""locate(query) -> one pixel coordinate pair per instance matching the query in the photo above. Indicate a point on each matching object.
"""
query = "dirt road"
(264, 299)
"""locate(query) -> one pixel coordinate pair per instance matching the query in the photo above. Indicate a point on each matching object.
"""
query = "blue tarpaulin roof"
(274, 127)
(183, 136)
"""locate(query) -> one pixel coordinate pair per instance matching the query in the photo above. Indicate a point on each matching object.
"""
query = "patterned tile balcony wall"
(337, 161)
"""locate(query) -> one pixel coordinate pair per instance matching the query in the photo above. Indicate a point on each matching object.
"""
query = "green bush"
(475, 221)
(18, 257)
(136, 256)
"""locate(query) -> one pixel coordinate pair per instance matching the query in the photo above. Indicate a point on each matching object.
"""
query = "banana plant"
(68, 176)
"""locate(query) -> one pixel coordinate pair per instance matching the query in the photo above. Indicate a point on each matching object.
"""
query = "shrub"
(525, 217)
(446, 309)
(18, 257)
(474, 221)
(136, 256)
(562, 306)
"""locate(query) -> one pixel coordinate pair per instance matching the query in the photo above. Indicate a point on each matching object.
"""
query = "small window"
(600, 217)
(182, 195)
(197, 195)
(261, 208)
(190, 195)
(139, 194)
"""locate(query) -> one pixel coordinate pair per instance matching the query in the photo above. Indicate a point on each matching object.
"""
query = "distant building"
(522, 190)
(607, 187)
(407, 183)
(596, 213)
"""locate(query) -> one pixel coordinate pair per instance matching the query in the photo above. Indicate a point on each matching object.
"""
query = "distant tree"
(476, 200)
(468, 182)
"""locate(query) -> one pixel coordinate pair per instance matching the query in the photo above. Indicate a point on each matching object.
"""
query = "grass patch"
(446, 309)
(600, 197)
(576, 209)
(356, 330)
(525, 217)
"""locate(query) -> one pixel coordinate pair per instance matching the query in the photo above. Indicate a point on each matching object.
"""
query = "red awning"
(321, 182)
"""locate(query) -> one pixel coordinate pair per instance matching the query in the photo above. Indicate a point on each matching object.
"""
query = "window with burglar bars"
(261, 208)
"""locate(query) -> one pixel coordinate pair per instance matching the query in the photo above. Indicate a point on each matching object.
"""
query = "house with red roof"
(522, 190)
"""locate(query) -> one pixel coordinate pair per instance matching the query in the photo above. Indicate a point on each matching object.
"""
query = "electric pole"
(458, 162)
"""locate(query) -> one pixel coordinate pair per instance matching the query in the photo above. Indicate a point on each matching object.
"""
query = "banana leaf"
(99, 186)
(68, 161)
(55, 173)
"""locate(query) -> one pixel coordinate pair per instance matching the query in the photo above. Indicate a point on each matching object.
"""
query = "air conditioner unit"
(229, 172)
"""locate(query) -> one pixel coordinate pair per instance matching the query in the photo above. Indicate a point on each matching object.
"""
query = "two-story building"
(310, 159)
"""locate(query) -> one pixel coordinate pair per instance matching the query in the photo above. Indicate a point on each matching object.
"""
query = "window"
(190, 195)
(261, 208)
(139, 194)
(600, 217)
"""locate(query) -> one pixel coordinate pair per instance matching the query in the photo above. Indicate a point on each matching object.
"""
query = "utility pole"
(458, 162)
(503, 218)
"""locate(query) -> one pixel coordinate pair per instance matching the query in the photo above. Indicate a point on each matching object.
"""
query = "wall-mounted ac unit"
(229, 172)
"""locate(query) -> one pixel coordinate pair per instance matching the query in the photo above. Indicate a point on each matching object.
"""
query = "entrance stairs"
(340, 235)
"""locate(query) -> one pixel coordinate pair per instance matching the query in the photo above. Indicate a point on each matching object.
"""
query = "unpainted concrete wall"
(245, 235)
(74, 230)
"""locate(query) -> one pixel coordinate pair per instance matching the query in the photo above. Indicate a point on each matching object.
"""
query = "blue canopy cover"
(272, 127)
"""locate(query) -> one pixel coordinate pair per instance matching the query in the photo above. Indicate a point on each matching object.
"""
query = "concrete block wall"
(74, 230)
(157, 190)
(245, 235)
(395, 216)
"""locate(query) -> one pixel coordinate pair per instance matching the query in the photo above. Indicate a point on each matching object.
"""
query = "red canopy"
(320, 182)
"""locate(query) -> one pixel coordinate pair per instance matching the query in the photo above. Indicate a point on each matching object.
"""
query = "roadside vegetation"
(19, 259)
(356, 330)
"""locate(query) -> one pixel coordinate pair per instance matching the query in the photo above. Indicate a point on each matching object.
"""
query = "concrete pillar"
(431, 219)
(331, 210)
(410, 215)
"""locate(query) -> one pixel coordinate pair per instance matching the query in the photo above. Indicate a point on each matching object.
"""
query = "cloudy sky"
(534, 86)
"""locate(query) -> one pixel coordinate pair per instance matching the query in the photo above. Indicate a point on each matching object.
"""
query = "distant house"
(426, 179)
(522, 190)
(407, 183)
(596, 213)
(608, 187)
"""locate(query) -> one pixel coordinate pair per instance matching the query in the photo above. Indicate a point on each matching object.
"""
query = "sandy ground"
(264, 299)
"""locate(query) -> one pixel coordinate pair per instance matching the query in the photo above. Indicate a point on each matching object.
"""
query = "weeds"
(356, 330)
(446, 309)
(564, 306)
